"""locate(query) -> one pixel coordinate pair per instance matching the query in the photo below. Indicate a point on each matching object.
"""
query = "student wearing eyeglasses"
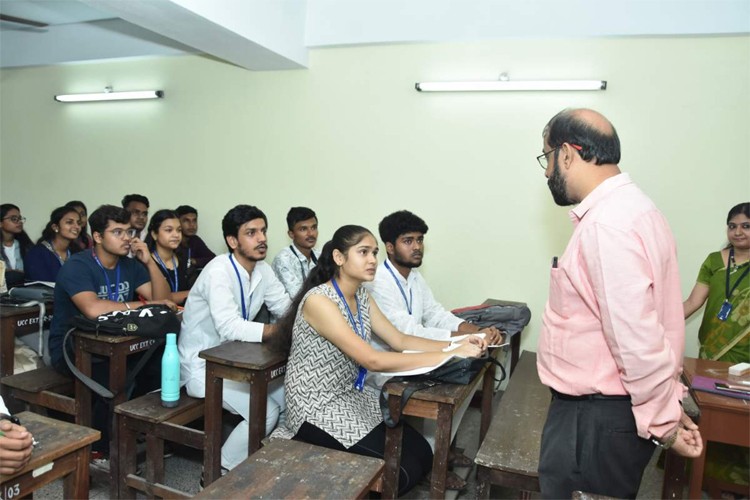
(102, 280)
(15, 243)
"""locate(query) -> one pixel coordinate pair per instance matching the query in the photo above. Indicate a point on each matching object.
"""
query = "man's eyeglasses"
(119, 233)
(15, 219)
(542, 158)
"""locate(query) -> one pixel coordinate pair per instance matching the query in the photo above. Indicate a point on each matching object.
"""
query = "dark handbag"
(35, 291)
(457, 371)
(149, 321)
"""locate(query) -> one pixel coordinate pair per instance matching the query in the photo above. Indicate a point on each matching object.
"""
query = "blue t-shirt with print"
(81, 273)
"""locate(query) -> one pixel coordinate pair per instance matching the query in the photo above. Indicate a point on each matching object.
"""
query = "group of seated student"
(328, 304)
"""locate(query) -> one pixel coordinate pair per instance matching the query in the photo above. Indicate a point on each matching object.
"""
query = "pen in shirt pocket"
(554, 262)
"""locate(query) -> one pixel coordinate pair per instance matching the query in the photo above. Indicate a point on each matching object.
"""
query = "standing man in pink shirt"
(613, 332)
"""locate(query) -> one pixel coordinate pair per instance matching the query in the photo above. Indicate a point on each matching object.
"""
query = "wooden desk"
(15, 321)
(293, 469)
(438, 403)
(723, 419)
(63, 451)
(249, 362)
(510, 454)
(117, 349)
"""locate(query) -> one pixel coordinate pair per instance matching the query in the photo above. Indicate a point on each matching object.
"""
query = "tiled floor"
(184, 468)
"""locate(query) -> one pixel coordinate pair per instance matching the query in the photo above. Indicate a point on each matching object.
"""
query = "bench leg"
(393, 442)
(127, 444)
(442, 446)
(213, 406)
(76, 484)
(154, 459)
(258, 407)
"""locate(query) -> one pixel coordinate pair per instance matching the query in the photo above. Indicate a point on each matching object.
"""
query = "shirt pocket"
(558, 286)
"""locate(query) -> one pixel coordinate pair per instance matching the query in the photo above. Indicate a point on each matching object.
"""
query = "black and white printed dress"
(320, 379)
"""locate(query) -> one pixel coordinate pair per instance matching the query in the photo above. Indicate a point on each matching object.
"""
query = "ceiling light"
(109, 95)
(504, 84)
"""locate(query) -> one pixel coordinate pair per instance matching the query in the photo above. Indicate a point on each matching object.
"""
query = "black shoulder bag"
(149, 321)
(457, 371)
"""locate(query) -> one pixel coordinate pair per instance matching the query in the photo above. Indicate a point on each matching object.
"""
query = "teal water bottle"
(170, 373)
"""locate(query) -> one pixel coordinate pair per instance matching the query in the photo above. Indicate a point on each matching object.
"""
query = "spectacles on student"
(542, 158)
(15, 219)
(119, 233)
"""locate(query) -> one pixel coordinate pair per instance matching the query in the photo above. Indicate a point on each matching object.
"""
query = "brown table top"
(244, 355)
(10, 311)
(108, 339)
(56, 439)
(293, 469)
(515, 435)
(714, 369)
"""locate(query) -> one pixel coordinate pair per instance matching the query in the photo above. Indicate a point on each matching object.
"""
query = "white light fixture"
(109, 95)
(504, 84)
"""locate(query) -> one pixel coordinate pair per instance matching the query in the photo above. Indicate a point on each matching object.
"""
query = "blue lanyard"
(301, 266)
(111, 295)
(245, 312)
(401, 289)
(176, 285)
(361, 330)
(190, 252)
(359, 382)
(729, 291)
(54, 252)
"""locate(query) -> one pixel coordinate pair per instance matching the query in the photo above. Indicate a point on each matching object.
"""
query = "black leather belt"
(587, 397)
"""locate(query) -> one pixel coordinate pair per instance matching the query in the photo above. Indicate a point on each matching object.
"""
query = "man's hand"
(15, 447)
(165, 302)
(493, 336)
(477, 341)
(688, 443)
(139, 248)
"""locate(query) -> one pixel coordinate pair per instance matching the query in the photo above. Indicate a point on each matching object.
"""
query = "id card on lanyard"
(359, 383)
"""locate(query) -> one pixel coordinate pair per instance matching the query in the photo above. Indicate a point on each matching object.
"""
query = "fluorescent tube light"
(507, 85)
(110, 96)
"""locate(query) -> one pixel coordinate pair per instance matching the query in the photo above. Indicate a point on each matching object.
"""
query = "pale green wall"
(351, 138)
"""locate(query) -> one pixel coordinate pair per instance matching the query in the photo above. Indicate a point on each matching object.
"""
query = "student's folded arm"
(325, 318)
(92, 306)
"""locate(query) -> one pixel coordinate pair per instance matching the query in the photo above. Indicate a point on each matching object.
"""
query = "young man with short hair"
(294, 263)
(137, 205)
(101, 280)
(192, 248)
(404, 297)
(220, 308)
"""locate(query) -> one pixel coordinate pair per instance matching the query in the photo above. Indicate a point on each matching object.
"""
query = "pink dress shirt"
(613, 323)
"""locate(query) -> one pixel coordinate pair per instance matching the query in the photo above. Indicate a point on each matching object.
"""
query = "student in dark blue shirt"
(44, 260)
(101, 280)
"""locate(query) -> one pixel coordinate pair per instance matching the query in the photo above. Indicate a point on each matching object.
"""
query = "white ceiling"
(276, 34)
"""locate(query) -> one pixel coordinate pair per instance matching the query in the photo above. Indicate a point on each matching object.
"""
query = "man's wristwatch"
(665, 443)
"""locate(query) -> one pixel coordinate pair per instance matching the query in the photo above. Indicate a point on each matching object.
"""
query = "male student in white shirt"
(293, 264)
(404, 297)
(220, 308)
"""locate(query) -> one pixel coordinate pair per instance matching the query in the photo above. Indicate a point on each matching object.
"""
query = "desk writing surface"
(714, 369)
(245, 355)
(514, 438)
(56, 438)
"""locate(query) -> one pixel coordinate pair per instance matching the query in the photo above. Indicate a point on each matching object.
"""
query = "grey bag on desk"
(36, 291)
(510, 317)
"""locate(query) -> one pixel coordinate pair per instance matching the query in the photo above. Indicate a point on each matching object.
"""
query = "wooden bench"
(293, 469)
(63, 451)
(509, 455)
(146, 415)
(42, 389)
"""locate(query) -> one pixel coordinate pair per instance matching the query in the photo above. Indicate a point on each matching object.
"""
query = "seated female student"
(44, 260)
(164, 237)
(330, 323)
(15, 243)
(84, 240)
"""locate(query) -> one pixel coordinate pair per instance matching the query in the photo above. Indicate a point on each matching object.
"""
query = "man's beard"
(405, 263)
(249, 257)
(559, 188)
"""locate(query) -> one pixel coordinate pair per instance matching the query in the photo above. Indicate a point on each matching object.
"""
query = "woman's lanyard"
(51, 248)
(245, 312)
(173, 285)
(401, 289)
(111, 294)
(359, 384)
(301, 266)
(726, 307)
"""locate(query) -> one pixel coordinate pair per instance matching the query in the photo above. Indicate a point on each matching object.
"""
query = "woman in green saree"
(723, 282)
